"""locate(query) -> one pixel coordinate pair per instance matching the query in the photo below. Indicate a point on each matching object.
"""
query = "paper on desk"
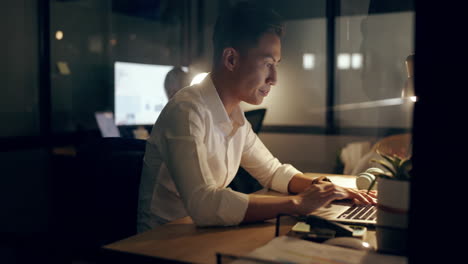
(285, 249)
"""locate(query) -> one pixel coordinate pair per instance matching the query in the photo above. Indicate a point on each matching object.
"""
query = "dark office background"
(42, 110)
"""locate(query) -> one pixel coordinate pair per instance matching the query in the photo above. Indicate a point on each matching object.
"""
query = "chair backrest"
(244, 182)
(255, 117)
(109, 176)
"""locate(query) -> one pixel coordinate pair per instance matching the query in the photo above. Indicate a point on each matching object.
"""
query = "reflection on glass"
(344, 61)
(301, 80)
(371, 94)
(308, 61)
(59, 35)
(356, 60)
(100, 33)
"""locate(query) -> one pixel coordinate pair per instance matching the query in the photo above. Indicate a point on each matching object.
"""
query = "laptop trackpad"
(331, 211)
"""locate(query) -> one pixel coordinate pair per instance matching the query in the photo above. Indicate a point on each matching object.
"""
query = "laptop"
(347, 213)
(106, 124)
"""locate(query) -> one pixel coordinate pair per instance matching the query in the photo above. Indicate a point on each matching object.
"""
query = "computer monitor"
(139, 94)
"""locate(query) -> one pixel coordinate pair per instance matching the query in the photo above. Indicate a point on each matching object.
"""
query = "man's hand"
(315, 196)
(358, 196)
(322, 193)
(320, 179)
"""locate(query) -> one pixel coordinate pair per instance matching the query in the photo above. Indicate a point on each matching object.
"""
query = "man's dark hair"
(242, 25)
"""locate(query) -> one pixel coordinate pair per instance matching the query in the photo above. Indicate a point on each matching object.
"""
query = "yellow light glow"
(59, 35)
(198, 78)
(413, 98)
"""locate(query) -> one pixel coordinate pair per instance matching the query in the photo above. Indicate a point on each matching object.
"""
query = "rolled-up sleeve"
(262, 165)
(187, 160)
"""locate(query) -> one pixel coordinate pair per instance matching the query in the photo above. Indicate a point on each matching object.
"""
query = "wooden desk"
(181, 240)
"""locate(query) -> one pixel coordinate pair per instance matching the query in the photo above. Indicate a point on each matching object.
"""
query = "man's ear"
(230, 58)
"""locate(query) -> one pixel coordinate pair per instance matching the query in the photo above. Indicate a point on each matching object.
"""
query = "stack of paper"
(286, 249)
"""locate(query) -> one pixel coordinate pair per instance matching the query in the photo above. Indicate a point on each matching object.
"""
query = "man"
(202, 136)
(175, 80)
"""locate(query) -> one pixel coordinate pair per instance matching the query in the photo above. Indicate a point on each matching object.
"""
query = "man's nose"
(272, 77)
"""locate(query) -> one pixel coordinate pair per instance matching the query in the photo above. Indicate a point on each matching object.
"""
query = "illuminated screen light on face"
(139, 94)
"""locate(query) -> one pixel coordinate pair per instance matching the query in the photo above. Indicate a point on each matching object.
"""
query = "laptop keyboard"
(360, 212)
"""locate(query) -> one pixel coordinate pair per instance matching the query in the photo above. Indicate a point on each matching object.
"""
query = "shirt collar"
(214, 103)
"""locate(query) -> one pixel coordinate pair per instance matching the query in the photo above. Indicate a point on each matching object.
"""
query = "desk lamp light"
(408, 90)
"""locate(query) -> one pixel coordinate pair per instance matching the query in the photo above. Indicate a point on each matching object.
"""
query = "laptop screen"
(105, 121)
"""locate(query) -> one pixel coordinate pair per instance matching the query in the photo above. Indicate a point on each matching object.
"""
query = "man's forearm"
(299, 183)
(263, 207)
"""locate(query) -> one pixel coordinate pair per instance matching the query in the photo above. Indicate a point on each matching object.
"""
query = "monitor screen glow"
(139, 94)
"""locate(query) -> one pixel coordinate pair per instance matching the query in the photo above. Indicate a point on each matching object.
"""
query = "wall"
(19, 69)
(25, 180)
(23, 173)
(309, 153)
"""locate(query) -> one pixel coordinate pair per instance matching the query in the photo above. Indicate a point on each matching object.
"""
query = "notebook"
(347, 213)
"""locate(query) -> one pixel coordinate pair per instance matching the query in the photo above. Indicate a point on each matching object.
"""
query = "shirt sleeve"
(262, 165)
(185, 155)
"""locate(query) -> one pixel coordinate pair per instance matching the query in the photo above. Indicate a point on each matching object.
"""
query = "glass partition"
(340, 80)
(19, 75)
(343, 68)
(299, 98)
(371, 50)
(88, 38)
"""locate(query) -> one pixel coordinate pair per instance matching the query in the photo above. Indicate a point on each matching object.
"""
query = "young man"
(202, 136)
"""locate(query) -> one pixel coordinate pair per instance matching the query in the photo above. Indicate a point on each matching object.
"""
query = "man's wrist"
(295, 201)
(320, 179)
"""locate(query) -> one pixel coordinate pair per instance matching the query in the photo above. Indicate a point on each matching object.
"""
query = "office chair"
(255, 118)
(243, 181)
(106, 188)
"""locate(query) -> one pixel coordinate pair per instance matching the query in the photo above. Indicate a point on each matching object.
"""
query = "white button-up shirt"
(193, 153)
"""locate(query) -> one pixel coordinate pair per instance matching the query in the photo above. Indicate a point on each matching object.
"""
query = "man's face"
(257, 69)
